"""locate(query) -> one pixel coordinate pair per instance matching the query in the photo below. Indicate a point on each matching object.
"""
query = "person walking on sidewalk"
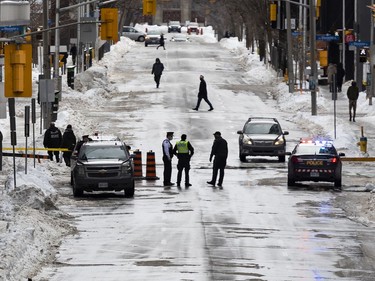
(184, 151)
(202, 94)
(352, 94)
(167, 159)
(220, 151)
(157, 70)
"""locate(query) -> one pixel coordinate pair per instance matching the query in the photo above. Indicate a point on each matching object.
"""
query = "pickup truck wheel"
(129, 190)
(77, 190)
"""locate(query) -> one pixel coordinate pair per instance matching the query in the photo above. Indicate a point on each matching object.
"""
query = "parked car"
(180, 37)
(102, 166)
(193, 27)
(133, 33)
(315, 160)
(152, 38)
(174, 26)
(262, 136)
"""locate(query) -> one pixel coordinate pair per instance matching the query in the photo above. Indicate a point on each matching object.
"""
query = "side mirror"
(286, 133)
(239, 132)
(288, 153)
(341, 154)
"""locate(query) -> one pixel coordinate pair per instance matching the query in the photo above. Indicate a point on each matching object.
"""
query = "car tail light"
(333, 160)
(296, 159)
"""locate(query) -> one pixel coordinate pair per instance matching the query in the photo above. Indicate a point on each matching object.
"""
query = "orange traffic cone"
(151, 166)
(138, 164)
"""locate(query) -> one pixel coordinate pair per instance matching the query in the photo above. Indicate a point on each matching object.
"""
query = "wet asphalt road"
(254, 228)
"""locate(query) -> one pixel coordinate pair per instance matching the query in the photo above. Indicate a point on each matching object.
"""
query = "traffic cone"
(151, 166)
(137, 164)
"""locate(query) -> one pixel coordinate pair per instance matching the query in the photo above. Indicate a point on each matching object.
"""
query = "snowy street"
(254, 228)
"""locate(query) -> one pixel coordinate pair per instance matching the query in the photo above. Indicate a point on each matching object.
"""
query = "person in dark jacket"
(353, 94)
(184, 151)
(220, 151)
(73, 53)
(52, 139)
(340, 76)
(157, 70)
(202, 94)
(167, 159)
(161, 42)
(85, 138)
(69, 142)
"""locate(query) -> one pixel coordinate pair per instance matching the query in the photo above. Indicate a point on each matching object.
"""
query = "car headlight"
(247, 140)
(126, 167)
(279, 140)
(80, 169)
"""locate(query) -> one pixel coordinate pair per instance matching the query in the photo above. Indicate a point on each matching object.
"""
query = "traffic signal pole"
(313, 74)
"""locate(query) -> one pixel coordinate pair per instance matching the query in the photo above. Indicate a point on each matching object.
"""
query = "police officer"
(184, 151)
(52, 139)
(167, 159)
(220, 151)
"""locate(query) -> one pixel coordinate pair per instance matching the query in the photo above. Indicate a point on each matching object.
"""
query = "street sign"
(359, 44)
(320, 37)
(11, 28)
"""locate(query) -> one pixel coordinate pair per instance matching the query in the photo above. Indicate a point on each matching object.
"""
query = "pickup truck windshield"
(103, 152)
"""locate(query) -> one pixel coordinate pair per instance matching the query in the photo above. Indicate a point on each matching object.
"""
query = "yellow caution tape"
(30, 149)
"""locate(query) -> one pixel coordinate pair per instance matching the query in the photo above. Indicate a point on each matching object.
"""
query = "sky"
(30, 222)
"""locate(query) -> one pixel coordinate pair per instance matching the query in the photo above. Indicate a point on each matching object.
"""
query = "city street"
(254, 228)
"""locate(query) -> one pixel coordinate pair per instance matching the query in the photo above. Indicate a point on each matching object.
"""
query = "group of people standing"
(184, 150)
(54, 140)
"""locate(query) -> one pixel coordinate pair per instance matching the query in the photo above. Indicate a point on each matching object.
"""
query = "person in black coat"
(73, 53)
(52, 139)
(161, 42)
(69, 142)
(220, 151)
(202, 94)
(157, 70)
(340, 76)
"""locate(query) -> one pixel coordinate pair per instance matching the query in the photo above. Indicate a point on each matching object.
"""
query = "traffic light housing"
(109, 24)
(149, 7)
(363, 55)
(17, 64)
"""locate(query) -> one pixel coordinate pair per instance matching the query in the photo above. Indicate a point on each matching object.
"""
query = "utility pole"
(290, 46)
(57, 41)
(313, 74)
(372, 57)
(46, 64)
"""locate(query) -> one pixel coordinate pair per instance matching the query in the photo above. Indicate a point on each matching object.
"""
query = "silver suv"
(133, 33)
(102, 166)
(262, 136)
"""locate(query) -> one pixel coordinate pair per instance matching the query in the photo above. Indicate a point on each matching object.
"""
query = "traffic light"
(273, 13)
(323, 58)
(149, 7)
(109, 24)
(17, 64)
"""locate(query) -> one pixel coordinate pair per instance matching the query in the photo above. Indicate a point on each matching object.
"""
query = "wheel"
(242, 157)
(141, 39)
(338, 183)
(129, 190)
(291, 181)
(77, 190)
(282, 158)
(145, 45)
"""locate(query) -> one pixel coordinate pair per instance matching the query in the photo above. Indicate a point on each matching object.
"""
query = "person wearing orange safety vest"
(184, 151)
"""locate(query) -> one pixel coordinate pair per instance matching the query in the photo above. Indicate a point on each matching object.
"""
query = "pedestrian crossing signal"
(363, 55)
